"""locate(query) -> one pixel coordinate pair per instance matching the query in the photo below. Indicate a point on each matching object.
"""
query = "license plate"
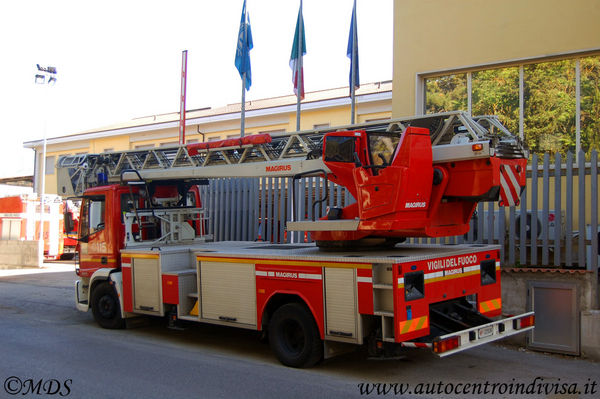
(485, 331)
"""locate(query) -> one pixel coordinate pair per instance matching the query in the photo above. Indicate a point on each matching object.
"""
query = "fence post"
(522, 230)
(581, 189)
(534, 210)
(594, 215)
(594, 220)
(545, 209)
(558, 208)
(569, 212)
(281, 216)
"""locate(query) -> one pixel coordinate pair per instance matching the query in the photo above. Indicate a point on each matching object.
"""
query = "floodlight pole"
(45, 76)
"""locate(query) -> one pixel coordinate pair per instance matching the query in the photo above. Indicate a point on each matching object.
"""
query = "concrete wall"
(436, 35)
(19, 253)
(515, 283)
(590, 334)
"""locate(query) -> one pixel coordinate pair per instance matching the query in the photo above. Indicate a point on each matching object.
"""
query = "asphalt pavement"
(48, 348)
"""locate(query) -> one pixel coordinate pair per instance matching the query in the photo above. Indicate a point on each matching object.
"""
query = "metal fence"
(556, 224)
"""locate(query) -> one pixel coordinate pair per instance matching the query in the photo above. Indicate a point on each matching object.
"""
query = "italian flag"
(298, 50)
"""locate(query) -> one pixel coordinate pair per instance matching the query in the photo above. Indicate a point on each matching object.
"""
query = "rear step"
(456, 326)
(456, 315)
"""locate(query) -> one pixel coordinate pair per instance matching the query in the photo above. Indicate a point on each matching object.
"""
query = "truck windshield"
(382, 147)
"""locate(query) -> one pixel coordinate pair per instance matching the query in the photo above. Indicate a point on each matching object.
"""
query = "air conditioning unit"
(483, 217)
(552, 224)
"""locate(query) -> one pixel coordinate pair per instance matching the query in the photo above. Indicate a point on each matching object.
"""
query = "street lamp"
(45, 76)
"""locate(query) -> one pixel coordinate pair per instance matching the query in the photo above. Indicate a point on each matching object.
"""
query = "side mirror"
(69, 223)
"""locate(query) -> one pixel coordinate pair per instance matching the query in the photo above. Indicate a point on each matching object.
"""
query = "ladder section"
(447, 130)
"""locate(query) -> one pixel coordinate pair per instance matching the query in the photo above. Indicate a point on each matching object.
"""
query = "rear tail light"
(477, 147)
(524, 322)
(446, 344)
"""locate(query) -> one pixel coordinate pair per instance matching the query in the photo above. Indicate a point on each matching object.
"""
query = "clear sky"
(117, 60)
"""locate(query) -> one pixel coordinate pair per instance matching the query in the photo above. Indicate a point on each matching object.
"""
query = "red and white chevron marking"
(415, 344)
(510, 190)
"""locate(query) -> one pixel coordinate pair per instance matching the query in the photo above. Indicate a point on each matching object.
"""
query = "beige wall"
(335, 116)
(436, 35)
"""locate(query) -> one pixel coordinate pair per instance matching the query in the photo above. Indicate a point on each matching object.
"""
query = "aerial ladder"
(420, 176)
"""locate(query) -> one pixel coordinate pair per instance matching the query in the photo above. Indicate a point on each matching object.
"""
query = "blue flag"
(352, 51)
(244, 45)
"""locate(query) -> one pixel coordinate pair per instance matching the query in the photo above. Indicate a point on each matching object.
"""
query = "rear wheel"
(106, 307)
(294, 336)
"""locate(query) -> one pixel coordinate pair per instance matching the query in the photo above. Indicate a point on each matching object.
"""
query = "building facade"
(535, 63)
(273, 115)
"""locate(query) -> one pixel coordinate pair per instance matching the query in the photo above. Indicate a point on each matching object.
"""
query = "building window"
(50, 165)
(144, 146)
(192, 141)
(321, 126)
(108, 150)
(549, 112)
(446, 93)
(496, 92)
(214, 138)
(170, 143)
(377, 120)
(590, 104)
(275, 131)
(554, 106)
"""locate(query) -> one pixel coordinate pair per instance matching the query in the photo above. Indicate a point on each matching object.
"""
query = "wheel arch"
(114, 278)
(280, 298)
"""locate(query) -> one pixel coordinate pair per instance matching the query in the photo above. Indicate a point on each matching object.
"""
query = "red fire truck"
(143, 249)
(71, 227)
(20, 220)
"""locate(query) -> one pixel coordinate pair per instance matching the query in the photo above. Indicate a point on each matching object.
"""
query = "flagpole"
(243, 115)
(182, 97)
(352, 83)
(299, 69)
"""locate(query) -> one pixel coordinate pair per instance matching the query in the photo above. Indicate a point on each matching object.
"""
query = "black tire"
(294, 336)
(106, 307)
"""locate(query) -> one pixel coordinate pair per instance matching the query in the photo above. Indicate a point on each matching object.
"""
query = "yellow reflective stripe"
(421, 322)
(140, 256)
(414, 324)
(497, 303)
(91, 259)
(492, 304)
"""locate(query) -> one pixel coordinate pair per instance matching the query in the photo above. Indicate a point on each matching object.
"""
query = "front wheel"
(106, 307)
(294, 336)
